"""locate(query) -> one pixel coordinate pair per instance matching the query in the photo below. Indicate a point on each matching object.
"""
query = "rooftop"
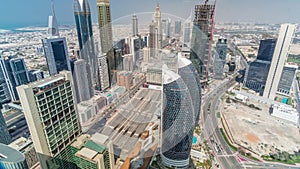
(94, 146)
(87, 153)
(8, 154)
(99, 138)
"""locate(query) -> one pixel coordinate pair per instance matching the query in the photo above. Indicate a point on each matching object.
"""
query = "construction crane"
(210, 38)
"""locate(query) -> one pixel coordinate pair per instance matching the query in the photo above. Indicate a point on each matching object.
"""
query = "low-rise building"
(25, 146)
(285, 112)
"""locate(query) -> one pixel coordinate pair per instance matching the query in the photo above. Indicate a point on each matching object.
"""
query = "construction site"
(254, 129)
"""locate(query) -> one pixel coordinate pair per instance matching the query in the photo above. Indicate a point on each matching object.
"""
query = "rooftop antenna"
(52, 8)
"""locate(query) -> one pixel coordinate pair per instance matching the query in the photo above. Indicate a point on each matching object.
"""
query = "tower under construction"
(202, 39)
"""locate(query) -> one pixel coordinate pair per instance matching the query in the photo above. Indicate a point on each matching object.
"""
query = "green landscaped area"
(234, 148)
(218, 115)
(289, 159)
(294, 58)
(226, 140)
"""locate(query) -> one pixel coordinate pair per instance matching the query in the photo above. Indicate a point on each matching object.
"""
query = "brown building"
(125, 79)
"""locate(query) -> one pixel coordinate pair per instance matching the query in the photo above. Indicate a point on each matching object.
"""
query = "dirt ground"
(258, 130)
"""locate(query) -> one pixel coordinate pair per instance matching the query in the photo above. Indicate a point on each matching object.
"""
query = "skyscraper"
(5, 92)
(15, 73)
(55, 48)
(220, 58)
(104, 75)
(56, 53)
(157, 16)
(257, 71)
(287, 79)
(201, 38)
(152, 40)
(135, 26)
(266, 49)
(50, 109)
(84, 28)
(106, 35)
(190, 76)
(105, 25)
(177, 27)
(53, 30)
(178, 120)
(5, 138)
(81, 83)
(280, 55)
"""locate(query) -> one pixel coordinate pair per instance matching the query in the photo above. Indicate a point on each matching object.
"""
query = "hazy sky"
(35, 12)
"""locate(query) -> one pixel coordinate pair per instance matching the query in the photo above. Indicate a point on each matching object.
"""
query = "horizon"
(227, 11)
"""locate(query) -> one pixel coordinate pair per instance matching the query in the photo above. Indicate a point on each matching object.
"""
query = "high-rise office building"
(190, 76)
(53, 30)
(50, 109)
(201, 38)
(106, 35)
(257, 75)
(158, 26)
(178, 120)
(166, 28)
(280, 55)
(105, 25)
(55, 48)
(5, 138)
(5, 90)
(187, 33)
(56, 53)
(146, 55)
(135, 26)
(152, 40)
(257, 71)
(177, 28)
(35, 75)
(81, 83)
(220, 58)
(11, 158)
(287, 79)
(15, 73)
(103, 72)
(84, 28)
(135, 48)
(128, 64)
(266, 49)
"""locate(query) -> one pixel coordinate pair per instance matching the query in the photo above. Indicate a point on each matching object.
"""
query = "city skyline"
(227, 11)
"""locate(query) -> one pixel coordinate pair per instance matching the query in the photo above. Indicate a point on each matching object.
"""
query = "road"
(227, 158)
(224, 154)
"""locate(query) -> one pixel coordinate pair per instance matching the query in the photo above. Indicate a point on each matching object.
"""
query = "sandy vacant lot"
(259, 131)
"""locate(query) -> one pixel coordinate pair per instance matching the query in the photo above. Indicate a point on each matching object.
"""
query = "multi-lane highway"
(227, 158)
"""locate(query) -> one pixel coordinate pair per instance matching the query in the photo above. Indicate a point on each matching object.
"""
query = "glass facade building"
(190, 76)
(287, 78)
(84, 29)
(220, 58)
(5, 92)
(56, 53)
(266, 49)
(11, 158)
(200, 42)
(5, 137)
(257, 73)
(177, 121)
